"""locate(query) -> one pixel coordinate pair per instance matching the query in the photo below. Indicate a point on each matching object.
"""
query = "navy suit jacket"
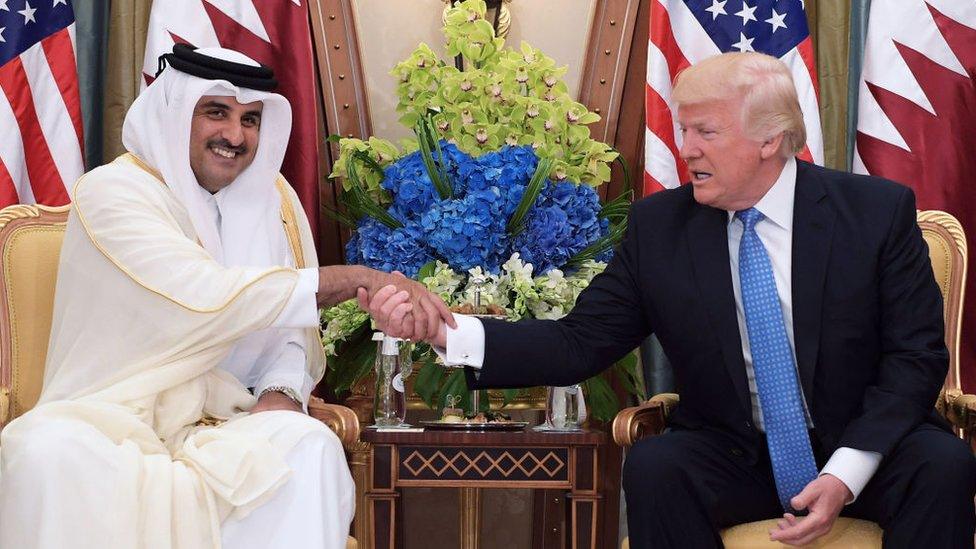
(867, 314)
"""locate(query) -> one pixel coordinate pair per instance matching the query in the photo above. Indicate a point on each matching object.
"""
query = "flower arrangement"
(497, 194)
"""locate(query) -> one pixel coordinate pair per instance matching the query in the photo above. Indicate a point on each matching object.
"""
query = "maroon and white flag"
(917, 116)
(273, 32)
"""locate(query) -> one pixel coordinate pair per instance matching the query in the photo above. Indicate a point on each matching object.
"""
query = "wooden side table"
(470, 461)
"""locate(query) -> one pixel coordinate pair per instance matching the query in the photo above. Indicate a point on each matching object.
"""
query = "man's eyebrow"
(256, 113)
(216, 104)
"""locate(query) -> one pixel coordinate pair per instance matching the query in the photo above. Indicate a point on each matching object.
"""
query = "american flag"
(41, 143)
(273, 32)
(686, 31)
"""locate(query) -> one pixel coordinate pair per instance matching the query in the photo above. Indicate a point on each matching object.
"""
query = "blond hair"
(769, 102)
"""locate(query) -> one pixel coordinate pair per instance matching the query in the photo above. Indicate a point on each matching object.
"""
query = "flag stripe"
(45, 180)
(12, 153)
(661, 163)
(61, 58)
(8, 191)
(54, 118)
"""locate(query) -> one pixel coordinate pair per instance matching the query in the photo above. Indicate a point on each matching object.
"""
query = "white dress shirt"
(466, 344)
(275, 356)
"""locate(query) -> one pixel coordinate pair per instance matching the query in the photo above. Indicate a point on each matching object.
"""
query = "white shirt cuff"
(288, 370)
(853, 467)
(301, 310)
(465, 344)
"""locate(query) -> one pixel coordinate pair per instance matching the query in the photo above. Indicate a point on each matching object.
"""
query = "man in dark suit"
(798, 308)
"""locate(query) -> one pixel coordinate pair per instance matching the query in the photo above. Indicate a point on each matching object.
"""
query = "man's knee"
(52, 448)
(651, 464)
(946, 470)
(324, 441)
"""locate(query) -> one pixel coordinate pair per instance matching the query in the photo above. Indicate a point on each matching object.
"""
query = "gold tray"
(475, 426)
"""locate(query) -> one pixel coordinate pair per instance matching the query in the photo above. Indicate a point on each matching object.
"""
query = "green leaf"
(538, 181)
(588, 118)
(456, 384)
(627, 181)
(360, 204)
(629, 373)
(354, 361)
(427, 139)
(339, 216)
(428, 382)
(601, 398)
(601, 245)
(427, 270)
(508, 395)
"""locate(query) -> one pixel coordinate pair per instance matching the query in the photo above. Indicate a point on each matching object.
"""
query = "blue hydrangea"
(564, 220)
(470, 228)
(380, 247)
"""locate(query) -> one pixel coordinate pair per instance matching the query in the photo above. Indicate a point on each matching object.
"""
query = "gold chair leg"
(470, 503)
(359, 467)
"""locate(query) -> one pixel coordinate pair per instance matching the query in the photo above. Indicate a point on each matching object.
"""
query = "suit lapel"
(709, 249)
(813, 226)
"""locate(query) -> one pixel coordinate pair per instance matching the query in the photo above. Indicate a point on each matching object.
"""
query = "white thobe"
(114, 455)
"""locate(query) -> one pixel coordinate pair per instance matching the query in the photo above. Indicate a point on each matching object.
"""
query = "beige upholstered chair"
(947, 250)
(30, 245)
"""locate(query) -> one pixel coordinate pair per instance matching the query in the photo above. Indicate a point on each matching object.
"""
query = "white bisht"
(151, 296)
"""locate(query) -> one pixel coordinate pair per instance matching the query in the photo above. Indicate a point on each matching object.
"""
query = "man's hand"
(404, 308)
(338, 283)
(391, 309)
(824, 498)
(273, 400)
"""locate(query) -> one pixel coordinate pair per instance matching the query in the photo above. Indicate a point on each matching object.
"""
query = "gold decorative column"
(470, 504)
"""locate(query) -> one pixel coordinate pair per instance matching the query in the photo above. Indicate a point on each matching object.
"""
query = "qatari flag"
(917, 117)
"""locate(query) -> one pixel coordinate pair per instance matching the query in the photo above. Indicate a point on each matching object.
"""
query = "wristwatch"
(285, 390)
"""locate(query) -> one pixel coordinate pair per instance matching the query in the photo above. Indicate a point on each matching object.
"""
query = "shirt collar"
(777, 204)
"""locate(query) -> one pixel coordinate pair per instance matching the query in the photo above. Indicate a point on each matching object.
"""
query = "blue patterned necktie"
(772, 359)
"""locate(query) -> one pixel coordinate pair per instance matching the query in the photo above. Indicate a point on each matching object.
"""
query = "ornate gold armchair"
(947, 250)
(30, 245)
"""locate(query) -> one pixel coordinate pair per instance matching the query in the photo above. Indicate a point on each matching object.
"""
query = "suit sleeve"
(607, 322)
(914, 359)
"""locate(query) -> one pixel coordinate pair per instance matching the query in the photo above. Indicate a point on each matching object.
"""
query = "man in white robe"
(186, 303)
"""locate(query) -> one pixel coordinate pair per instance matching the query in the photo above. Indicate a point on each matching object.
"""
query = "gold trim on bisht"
(290, 222)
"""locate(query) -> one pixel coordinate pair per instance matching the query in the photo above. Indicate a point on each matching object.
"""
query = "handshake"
(400, 307)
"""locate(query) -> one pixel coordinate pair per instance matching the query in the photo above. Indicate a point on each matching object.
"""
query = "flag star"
(744, 44)
(777, 21)
(746, 13)
(56, 2)
(3, 5)
(717, 8)
(28, 13)
(2, 39)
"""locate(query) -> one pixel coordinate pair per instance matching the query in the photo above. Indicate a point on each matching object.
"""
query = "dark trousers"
(683, 486)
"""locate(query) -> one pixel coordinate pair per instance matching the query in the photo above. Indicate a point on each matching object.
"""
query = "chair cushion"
(30, 259)
(847, 533)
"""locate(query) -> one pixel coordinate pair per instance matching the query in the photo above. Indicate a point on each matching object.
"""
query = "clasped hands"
(404, 308)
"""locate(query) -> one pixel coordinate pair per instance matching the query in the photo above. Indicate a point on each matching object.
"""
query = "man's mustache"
(224, 144)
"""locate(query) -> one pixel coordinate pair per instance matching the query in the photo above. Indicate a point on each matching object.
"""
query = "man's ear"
(771, 146)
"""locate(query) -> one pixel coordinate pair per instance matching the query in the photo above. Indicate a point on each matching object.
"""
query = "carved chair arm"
(637, 422)
(959, 409)
(4, 405)
(341, 420)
